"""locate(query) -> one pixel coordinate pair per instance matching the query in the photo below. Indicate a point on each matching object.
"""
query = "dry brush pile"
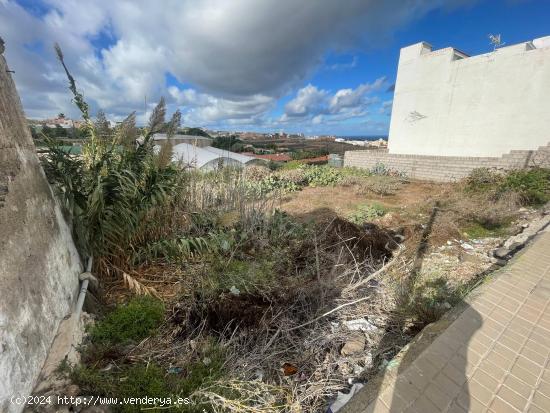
(259, 290)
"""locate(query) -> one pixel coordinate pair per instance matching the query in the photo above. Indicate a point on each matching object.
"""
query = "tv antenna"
(496, 41)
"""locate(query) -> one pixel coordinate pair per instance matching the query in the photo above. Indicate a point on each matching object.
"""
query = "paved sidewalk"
(493, 358)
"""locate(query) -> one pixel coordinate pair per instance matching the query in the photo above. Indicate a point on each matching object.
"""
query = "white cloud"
(350, 98)
(317, 120)
(241, 55)
(208, 109)
(308, 100)
(319, 105)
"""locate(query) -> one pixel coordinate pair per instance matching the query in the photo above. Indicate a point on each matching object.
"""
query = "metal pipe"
(83, 290)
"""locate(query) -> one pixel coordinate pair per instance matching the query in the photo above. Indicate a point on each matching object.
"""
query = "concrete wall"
(449, 104)
(446, 168)
(39, 265)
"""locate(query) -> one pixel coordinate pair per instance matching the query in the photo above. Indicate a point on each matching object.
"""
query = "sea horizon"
(362, 137)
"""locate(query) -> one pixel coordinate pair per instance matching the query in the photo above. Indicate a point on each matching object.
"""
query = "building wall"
(39, 265)
(449, 104)
(445, 168)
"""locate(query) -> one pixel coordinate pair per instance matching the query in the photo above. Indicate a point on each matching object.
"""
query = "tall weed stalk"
(115, 184)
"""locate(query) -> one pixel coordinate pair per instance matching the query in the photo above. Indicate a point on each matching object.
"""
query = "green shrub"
(354, 171)
(322, 175)
(283, 229)
(484, 230)
(295, 164)
(483, 179)
(367, 212)
(432, 298)
(180, 249)
(130, 322)
(226, 142)
(533, 185)
(270, 184)
(272, 165)
(130, 381)
(201, 372)
(152, 380)
(245, 276)
(381, 169)
(295, 175)
(305, 154)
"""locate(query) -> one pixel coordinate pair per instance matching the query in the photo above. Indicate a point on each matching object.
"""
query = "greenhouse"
(245, 160)
(190, 156)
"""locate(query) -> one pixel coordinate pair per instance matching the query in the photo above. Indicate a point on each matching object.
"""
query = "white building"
(64, 123)
(447, 103)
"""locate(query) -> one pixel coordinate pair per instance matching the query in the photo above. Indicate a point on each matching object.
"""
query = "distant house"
(62, 122)
(379, 143)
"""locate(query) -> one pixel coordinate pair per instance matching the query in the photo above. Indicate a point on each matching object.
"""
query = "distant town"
(275, 147)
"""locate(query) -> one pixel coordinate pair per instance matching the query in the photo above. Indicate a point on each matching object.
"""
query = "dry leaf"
(137, 287)
(289, 369)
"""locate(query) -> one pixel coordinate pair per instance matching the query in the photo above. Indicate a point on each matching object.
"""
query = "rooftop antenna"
(496, 41)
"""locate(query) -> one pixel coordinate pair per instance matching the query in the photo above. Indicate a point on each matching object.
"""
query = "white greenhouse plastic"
(190, 156)
(245, 160)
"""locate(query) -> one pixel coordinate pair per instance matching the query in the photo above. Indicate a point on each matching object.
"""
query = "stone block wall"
(446, 168)
(39, 264)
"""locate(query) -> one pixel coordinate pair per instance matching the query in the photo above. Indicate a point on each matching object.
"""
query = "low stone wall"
(39, 264)
(445, 168)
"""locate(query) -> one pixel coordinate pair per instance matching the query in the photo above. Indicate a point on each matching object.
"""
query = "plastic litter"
(360, 324)
(342, 399)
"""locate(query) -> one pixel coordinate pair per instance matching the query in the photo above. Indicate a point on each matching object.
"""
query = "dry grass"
(244, 396)
(283, 345)
(305, 330)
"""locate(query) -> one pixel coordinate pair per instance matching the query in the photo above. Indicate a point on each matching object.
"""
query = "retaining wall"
(39, 264)
(446, 168)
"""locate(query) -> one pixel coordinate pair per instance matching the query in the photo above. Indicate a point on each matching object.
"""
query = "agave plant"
(114, 184)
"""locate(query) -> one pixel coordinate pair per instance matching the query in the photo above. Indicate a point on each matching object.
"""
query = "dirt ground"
(320, 201)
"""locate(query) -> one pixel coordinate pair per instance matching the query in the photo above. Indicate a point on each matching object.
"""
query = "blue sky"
(319, 67)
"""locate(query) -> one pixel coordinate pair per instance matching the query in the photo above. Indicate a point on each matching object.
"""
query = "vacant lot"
(271, 291)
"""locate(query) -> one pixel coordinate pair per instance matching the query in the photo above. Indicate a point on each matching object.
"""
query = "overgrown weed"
(367, 213)
(132, 321)
(531, 186)
(155, 381)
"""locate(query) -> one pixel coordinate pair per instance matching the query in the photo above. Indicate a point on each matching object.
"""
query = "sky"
(309, 66)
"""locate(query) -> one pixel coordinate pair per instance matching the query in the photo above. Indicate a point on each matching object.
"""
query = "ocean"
(364, 138)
